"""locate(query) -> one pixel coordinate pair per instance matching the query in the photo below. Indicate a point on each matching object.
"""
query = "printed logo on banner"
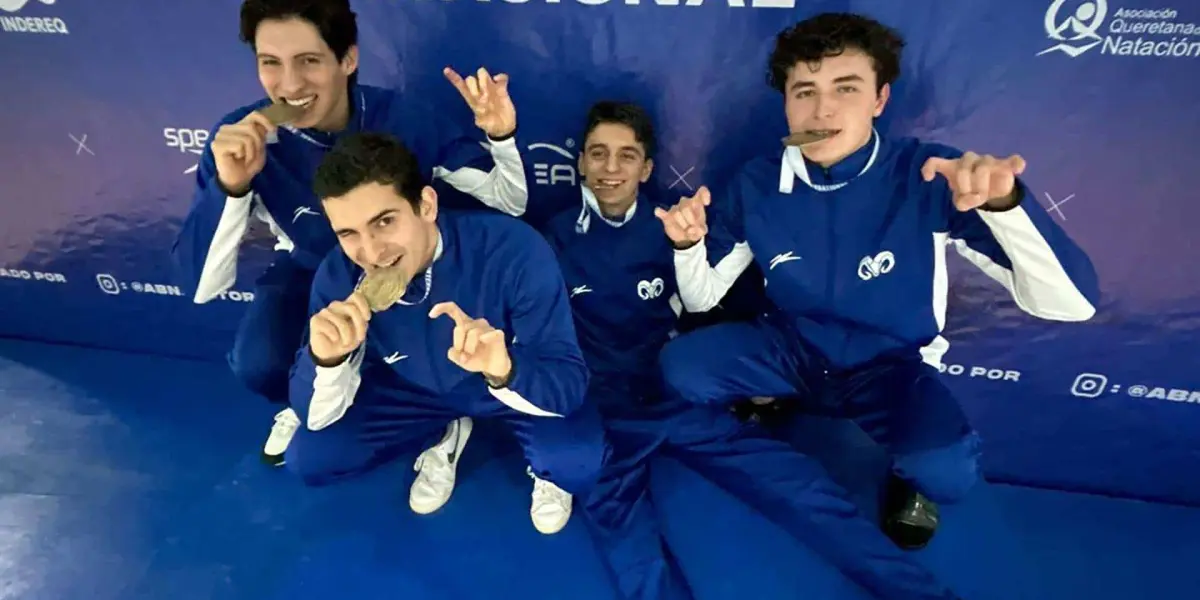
(187, 141)
(111, 285)
(1129, 32)
(19, 24)
(27, 275)
(556, 172)
(1094, 385)
(980, 372)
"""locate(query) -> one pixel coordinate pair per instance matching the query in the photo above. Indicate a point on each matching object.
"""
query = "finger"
(324, 329)
(455, 356)
(460, 338)
(679, 220)
(260, 123)
(473, 90)
(485, 85)
(501, 81)
(491, 337)
(451, 310)
(360, 303)
(248, 143)
(688, 215)
(1016, 163)
(457, 81)
(935, 165)
(345, 333)
(252, 132)
(981, 177)
(358, 321)
(703, 195)
(962, 175)
(471, 339)
(661, 214)
(695, 212)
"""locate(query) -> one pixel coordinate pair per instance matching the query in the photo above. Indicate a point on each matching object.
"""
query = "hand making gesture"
(976, 180)
(686, 223)
(478, 347)
(338, 329)
(488, 98)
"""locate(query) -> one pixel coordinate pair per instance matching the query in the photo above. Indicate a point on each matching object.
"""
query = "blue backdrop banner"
(107, 105)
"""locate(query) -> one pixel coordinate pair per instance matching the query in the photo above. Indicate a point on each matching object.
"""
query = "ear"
(429, 205)
(647, 169)
(350, 61)
(884, 93)
(580, 167)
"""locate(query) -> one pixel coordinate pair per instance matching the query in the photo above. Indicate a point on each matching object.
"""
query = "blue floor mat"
(137, 477)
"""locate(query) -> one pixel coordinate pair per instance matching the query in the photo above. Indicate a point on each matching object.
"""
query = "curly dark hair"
(364, 158)
(831, 34)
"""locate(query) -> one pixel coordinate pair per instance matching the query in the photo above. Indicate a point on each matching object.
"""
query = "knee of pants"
(945, 475)
(318, 464)
(680, 373)
(571, 455)
(261, 373)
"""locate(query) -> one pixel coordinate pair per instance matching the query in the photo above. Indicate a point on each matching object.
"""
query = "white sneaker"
(282, 432)
(437, 467)
(550, 508)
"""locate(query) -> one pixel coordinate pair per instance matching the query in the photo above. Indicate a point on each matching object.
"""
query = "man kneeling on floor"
(479, 325)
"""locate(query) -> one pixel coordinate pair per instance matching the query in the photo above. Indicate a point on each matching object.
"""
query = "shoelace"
(545, 492)
(285, 423)
(434, 466)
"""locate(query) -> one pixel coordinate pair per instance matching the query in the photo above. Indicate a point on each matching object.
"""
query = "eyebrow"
(593, 146)
(842, 79)
(383, 213)
(301, 55)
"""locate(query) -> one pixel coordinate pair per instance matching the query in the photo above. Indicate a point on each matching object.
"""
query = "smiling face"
(836, 95)
(296, 66)
(377, 228)
(613, 165)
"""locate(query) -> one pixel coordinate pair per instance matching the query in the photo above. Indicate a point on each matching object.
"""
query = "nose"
(610, 165)
(826, 106)
(291, 81)
(373, 248)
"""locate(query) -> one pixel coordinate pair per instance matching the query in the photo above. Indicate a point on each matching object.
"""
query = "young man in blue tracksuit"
(483, 330)
(619, 270)
(307, 56)
(851, 233)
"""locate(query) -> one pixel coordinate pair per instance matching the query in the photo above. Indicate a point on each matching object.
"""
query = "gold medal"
(802, 138)
(281, 112)
(383, 288)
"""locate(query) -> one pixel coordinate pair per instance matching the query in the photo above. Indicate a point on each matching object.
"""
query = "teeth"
(300, 101)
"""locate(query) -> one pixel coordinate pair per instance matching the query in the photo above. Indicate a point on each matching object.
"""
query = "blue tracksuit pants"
(901, 403)
(789, 488)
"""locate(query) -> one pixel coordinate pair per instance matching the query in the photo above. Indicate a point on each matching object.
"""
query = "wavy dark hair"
(831, 34)
(362, 158)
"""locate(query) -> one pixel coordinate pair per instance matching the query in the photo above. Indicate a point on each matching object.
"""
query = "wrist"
(1006, 202)
(233, 191)
(502, 377)
(681, 246)
(501, 137)
(327, 363)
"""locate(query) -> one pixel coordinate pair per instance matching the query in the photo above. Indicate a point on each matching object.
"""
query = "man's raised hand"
(686, 223)
(477, 346)
(338, 330)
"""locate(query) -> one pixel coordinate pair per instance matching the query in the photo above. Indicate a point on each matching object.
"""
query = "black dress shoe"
(909, 518)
